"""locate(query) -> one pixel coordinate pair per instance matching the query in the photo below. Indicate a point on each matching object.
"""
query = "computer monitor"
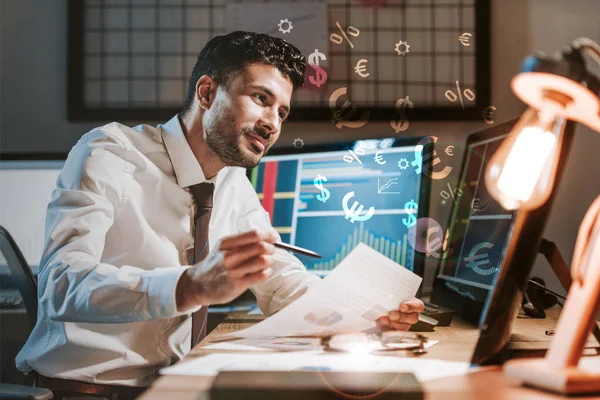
(27, 187)
(329, 198)
(503, 303)
(478, 231)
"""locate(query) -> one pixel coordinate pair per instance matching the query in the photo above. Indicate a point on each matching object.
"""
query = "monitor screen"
(27, 187)
(329, 199)
(479, 229)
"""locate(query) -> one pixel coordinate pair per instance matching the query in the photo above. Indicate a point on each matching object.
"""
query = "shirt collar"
(187, 169)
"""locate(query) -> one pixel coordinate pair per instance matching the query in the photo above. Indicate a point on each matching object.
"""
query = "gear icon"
(298, 143)
(285, 21)
(406, 48)
(403, 163)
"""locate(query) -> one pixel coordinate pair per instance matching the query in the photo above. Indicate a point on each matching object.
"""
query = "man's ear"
(206, 89)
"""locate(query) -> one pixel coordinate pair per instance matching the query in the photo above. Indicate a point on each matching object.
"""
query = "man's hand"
(238, 262)
(402, 318)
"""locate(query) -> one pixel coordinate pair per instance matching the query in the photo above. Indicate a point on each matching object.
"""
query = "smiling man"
(149, 225)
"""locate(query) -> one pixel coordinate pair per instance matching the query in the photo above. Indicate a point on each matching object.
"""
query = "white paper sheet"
(424, 369)
(363, 287)
(590, 364)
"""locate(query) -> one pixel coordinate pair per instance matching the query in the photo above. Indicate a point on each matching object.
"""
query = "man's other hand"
(402, 318)
(238, 262)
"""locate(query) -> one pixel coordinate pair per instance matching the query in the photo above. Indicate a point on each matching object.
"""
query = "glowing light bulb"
(521, 172)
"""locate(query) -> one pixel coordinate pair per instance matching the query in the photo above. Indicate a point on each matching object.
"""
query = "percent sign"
(450, 95)
(349, 158)
(337, 39)
(450, 193)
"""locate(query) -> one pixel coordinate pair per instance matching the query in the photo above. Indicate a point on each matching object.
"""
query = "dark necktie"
(203, 196)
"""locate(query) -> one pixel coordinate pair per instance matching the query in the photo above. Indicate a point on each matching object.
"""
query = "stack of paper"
(363, 287)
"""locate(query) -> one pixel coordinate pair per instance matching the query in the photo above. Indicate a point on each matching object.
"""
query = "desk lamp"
(521, 175)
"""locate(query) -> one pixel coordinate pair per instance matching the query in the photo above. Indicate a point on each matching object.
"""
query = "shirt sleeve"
(290, 278)
(74, 285)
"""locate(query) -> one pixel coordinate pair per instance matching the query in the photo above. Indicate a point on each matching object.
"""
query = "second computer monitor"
(330, 198)
(479, 229)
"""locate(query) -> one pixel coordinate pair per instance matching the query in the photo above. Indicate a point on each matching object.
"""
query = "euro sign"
(353, 213)
(324, 196)
(410, 207)
(424, 161)
(435, 243)
(342, 117)
(475, 261)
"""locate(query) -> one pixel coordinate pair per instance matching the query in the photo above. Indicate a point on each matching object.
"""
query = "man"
(129, 225)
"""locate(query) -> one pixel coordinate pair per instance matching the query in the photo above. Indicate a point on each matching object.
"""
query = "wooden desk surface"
(456, 343)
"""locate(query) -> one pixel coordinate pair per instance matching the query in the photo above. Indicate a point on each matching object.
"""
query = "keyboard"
(11, 300)
(442, 314)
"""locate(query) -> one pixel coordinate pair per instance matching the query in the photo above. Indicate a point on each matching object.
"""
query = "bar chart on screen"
(396, 250)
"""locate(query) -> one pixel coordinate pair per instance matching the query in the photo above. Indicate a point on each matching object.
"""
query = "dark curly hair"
(226, 55)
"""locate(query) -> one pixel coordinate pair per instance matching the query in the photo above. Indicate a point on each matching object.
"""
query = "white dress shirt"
(118, 237)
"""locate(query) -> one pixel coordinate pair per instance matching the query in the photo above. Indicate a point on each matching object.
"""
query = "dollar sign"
(320, 74)
(324, 196)
(412, 219)
(402, 124)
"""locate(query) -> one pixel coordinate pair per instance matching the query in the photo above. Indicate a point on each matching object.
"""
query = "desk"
(456, 343)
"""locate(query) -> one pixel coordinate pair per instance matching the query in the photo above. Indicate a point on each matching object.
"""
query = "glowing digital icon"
(476, 261)
(289, 26)
(337, 39)
(464, 39)
(379, 158)
(426, 236)
(434, 240)
(361, 68)
(313, 62)
(402, 44)
(401, 106)
(422, 162)
(349, 158)
(450, 193)
(411, 208)
(488, 118)
(477, 206)
(382, 189)
(449, 150)
(342, 117)
(298, 143)
(403, 163)
(353, 213)
(450, 95)
(325, 194)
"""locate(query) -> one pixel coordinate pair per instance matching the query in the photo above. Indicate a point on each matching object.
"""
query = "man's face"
(245, 121)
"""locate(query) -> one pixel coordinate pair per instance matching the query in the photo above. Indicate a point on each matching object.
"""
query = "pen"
(297, 249)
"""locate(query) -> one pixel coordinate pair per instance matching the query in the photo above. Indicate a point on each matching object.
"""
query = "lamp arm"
(591, 48)
(591, 218)
(587, 44)
(578, 315)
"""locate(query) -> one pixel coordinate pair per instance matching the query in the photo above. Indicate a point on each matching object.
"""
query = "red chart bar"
(269, 186)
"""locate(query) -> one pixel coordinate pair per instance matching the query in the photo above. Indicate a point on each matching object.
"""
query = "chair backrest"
(18, 305)
(20, 276)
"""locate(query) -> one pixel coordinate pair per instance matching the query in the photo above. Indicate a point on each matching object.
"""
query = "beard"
(231, 145)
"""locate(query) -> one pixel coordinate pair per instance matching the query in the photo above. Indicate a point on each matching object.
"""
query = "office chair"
(18, 314)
